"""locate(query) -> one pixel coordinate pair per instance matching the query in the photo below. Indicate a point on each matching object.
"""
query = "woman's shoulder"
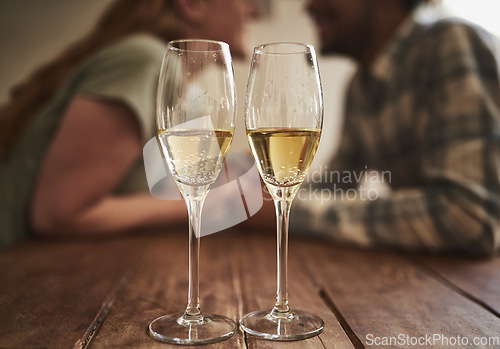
(141, 43)
(142, 47)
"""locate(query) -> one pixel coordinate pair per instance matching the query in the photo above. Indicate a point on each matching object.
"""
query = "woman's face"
(227, 20)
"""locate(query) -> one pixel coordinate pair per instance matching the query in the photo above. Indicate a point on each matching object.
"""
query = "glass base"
(189, 330)
(289, 326)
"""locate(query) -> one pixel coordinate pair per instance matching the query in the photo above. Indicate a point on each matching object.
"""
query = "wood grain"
(258, 279)
(475, 278)
(159, 286)
(384, 295)
(51, 291)
(103, 293)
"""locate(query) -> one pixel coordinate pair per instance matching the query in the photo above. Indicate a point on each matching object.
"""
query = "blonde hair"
(122, 18)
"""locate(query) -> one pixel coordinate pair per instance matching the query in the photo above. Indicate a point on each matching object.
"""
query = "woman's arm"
(96, 145)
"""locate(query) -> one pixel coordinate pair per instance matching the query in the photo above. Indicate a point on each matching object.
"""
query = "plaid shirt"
(424, 120)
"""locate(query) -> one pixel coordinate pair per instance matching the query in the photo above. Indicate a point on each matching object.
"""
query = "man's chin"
(326, 47)
(327, 50)
(331, 50)
(240, 52)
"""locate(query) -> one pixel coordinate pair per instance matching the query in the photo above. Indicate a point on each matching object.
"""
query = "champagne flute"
(284, 116)
(195, 119)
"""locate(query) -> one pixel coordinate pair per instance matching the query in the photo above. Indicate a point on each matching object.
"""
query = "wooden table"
(103, 293)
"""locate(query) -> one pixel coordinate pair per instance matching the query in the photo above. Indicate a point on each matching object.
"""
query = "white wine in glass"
(284, 117)
(195, 120)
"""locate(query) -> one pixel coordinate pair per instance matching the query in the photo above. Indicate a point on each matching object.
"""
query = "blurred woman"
(72, 135)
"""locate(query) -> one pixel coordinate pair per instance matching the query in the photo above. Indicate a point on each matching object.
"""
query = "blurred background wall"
(34, 31)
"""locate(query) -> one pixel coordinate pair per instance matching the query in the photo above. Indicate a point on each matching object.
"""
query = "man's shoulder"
(456, 28)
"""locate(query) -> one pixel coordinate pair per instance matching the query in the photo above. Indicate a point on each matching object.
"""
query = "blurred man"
(422, 118)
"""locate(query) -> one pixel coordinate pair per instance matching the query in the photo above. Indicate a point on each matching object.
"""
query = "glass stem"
(194, 210)
(281, 308)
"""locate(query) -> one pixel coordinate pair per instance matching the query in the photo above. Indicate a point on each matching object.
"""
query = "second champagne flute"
(284, 116)
(196, 119)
